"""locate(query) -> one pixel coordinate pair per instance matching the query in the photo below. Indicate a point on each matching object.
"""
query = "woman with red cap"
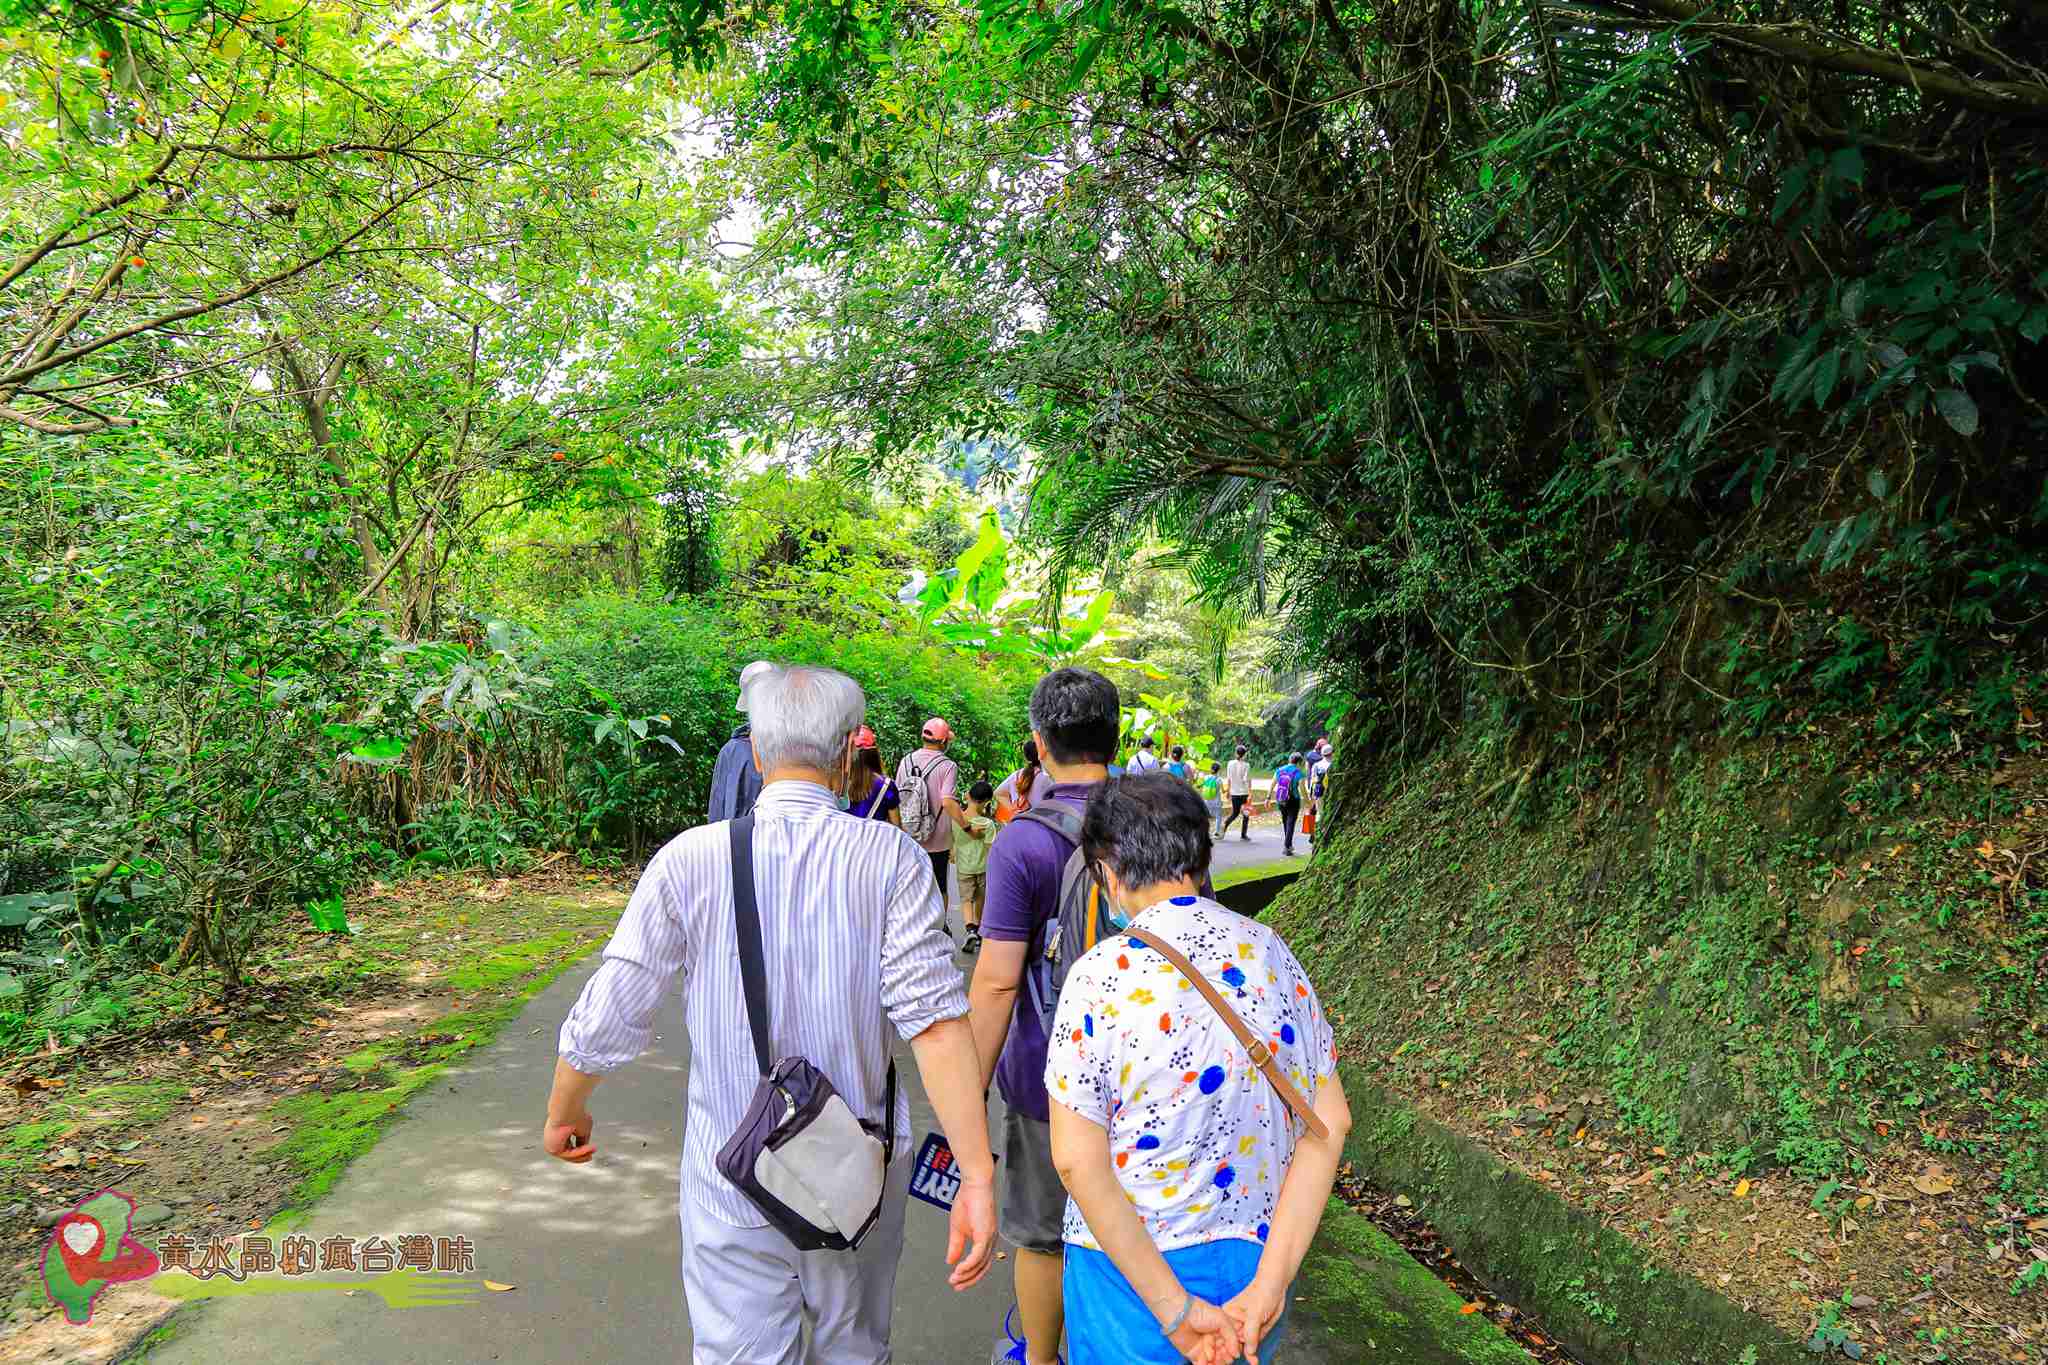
(872, 794)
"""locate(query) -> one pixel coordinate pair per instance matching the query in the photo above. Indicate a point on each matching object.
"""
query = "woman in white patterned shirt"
(1194, 1190)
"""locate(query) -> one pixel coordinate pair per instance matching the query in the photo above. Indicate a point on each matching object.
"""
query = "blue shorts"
(1108, 1324)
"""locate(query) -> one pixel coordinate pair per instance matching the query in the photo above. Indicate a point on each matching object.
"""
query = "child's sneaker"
(973, 943)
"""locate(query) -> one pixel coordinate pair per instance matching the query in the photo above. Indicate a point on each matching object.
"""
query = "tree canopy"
(1578, 354)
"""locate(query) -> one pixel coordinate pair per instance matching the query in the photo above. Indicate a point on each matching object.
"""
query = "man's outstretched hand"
(568, 1140)
(971, 1235)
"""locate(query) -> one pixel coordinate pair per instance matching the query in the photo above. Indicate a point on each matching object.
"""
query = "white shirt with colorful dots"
(1200, 1138)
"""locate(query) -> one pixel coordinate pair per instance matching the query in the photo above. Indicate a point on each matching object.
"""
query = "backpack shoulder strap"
(1255, 1047)
(1056, 816)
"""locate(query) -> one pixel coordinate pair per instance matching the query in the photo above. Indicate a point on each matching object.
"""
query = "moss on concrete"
(1588, 1286)
(1360, 1296)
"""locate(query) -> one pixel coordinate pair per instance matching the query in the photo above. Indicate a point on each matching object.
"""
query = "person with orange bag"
(1021, 789)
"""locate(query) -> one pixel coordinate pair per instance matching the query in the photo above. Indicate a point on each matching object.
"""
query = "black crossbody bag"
(813, 1168)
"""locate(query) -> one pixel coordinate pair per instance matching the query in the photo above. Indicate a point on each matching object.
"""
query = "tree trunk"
(313, 397)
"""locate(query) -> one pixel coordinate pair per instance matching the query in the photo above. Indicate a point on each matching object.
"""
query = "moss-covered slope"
(1778, 961)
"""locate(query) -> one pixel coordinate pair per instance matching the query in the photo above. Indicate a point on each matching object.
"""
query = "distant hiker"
(1212, 797)
(1178, 764)
(1290, 785)
(1021, 790)
(970, 851)
(876, 797)
(1238, 778)
(1144, 761)
(735, 781)
(849, 954)
(1318, 778)
(1197, 1180)
(925, 779)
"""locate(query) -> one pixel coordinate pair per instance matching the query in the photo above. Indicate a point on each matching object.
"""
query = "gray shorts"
(1034, 1205)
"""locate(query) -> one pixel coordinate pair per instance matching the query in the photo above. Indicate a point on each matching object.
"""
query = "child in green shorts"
(970, 860)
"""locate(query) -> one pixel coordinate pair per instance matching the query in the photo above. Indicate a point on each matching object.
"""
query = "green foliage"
(1769, 955)
(1526, 365)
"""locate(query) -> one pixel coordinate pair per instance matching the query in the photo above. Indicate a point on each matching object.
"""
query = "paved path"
(591, 1251)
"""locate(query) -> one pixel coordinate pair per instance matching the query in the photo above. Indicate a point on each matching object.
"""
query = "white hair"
(803, 716)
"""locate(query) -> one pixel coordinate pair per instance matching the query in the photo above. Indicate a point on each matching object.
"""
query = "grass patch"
(119, 1104)
(1252, 872)
(329, 1131)
(507, 964)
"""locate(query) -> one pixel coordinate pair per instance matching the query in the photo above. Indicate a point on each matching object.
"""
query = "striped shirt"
(853, 935)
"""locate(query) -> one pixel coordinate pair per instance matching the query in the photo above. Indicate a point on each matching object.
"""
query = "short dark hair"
(1147, 827)
(1074, 710)
(1215, 767)
(982, 792)
(1294, 758)
(1179, 752)
(1240, 751)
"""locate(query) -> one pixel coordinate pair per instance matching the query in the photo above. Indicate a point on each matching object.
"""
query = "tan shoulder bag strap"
(1261, 1055)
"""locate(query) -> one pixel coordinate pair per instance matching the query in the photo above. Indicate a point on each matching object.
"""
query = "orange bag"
(1308, 822)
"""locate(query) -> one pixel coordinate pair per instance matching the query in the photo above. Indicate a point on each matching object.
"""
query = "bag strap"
(746, 917)
(1261, 1055)
(876, 811)
(746, 914)
(1056, 816)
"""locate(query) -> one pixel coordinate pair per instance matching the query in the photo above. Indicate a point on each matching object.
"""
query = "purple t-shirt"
(1024, 869)
(865, 807)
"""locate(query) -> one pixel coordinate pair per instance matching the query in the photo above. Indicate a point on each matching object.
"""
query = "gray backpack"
(919, 812)
(1080, 922)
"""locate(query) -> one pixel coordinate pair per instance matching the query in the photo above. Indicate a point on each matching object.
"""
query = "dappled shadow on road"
(590, 1252)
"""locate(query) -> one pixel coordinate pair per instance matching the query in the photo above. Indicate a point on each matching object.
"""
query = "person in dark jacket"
(735, 781)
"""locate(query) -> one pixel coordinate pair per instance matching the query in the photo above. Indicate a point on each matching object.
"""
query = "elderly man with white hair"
(854, 943)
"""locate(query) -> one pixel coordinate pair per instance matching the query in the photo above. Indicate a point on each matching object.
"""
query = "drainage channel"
(1419, 1238)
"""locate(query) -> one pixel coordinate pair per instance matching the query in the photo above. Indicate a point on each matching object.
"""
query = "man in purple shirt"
(1074, 722)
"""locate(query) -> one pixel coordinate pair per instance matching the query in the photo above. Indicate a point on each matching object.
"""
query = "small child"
(970, 858)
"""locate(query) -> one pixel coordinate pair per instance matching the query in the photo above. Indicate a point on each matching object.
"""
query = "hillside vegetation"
(1792, 963)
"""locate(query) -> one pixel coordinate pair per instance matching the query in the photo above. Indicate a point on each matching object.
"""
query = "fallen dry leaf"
(496, 1287)
(1469, 1309)
(1935, 1180)
(1742, 1189)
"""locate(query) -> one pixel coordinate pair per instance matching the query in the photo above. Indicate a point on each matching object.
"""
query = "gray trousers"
(749, 1291)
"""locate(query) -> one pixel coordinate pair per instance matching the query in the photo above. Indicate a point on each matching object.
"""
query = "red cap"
(937, 729)
(864, 738)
